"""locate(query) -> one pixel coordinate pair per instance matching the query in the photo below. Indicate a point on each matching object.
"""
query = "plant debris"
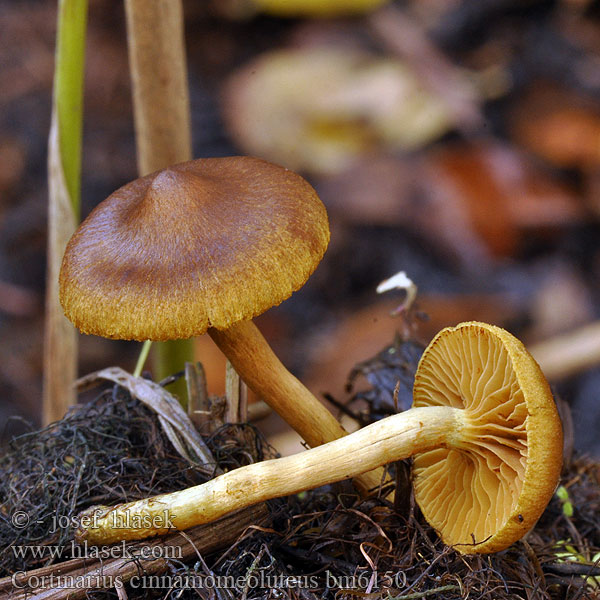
(111, 450)
(326, 543)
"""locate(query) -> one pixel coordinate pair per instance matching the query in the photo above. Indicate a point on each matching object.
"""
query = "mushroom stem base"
(391, 439)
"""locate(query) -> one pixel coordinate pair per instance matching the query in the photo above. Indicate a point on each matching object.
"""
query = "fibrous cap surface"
(201, 244)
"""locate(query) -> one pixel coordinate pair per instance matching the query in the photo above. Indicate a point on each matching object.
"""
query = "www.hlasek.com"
(83, 550)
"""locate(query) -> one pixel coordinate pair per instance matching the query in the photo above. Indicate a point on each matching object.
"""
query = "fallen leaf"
(485, 198)
(364, 333)
(560, 127)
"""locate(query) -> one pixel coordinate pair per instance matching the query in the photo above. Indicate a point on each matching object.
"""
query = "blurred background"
(458, 141)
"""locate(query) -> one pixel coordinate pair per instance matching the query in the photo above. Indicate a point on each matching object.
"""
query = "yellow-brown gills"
(201, 244)
(492, 486)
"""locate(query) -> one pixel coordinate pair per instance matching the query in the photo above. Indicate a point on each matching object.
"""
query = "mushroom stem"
(391, 439)
(252, 357)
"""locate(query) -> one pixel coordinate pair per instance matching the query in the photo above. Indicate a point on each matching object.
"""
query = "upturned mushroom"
(484, 432)
(205, 245)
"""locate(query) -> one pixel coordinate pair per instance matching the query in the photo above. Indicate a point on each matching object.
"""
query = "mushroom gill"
(480, 481)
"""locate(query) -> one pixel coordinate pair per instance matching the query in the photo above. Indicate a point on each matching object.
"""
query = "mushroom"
(489, 487)
(484, 432)
(205, 245)
(337, 103)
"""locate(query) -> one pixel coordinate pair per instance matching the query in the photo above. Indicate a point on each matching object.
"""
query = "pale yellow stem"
(391, 439)
(159, 80)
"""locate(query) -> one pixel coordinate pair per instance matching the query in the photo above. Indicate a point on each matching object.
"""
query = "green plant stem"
(170, 358)
(142, 358)
(68, 92)
(64, 184)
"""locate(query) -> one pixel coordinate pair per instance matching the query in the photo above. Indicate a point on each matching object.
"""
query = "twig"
(344, 409)
(425, 593)
(236, 393)
(258, 410)
(198, 408)
(570, 353)
(573, 568)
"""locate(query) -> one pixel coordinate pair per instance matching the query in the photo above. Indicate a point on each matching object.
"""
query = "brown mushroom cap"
(201, 244)
(488, 493)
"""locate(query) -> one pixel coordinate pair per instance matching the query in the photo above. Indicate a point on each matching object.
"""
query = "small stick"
(236, 393)
(425, 593)
(198, 408)
(258, 410)
(570, 353)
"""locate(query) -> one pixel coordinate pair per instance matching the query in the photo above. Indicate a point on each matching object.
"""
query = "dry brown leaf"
(364, 333)
(561, 127)
(485, 198)
(376, 191)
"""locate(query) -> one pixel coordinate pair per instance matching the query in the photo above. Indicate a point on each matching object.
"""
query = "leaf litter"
(326, 543)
